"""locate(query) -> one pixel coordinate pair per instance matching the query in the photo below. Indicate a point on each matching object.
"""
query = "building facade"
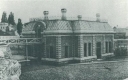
(120, 33)
(3, 26)
(72, 40)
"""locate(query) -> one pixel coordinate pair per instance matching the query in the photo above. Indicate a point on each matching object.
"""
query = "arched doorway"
(38, 28)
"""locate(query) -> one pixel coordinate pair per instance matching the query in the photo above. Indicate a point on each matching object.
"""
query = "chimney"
(79, 17)
(98, 17)
(63, 14)
(46, 15)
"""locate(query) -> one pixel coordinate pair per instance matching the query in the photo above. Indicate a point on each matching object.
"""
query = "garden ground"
(110, 69)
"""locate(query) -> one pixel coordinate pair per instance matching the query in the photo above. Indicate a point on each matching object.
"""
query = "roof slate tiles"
(76, 25)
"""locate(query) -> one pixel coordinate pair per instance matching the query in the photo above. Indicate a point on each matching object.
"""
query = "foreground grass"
(117, 71)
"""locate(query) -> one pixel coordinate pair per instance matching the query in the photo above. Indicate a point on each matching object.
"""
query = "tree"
(11, 18)
(4, 17)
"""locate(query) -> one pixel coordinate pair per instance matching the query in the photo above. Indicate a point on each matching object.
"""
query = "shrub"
(121, 51)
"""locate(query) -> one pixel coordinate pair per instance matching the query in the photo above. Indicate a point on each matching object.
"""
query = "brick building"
(72, 40)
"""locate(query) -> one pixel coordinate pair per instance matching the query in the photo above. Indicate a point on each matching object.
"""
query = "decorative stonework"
(73, 45)
(113, 43)
(45, 54)
(93, 45)
(58, 47)
(104, 49)
(80, 46)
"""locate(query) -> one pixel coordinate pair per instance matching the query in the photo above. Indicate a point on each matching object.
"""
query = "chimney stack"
(46, 15)
(98, 17)
(63, 11)
(79, 17)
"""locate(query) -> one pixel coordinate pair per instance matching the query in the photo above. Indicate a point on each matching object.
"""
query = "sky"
(115, 11)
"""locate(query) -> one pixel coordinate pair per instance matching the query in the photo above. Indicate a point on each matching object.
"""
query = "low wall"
(75, 59)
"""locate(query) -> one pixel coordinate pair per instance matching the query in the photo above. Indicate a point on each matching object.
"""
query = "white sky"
(116, 11)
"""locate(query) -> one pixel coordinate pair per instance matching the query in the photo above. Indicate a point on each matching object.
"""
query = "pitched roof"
(122, 30)
(92, 26)
(32, 25)
(59, 26)
(70, 26)
(29, 26)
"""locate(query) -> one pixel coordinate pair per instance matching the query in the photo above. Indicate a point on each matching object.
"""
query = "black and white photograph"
(63, 39)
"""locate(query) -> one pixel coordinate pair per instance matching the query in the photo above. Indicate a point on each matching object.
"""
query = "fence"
(22, 41)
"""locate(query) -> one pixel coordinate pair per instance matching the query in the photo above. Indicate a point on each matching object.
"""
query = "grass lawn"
(115, 71)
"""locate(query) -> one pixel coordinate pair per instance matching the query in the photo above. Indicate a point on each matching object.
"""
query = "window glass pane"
(76, 50)
(106, 47)
(52, 55)
(66, 51)
(89, 49)
(48, 52)
(85, 49)
(110, 47)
